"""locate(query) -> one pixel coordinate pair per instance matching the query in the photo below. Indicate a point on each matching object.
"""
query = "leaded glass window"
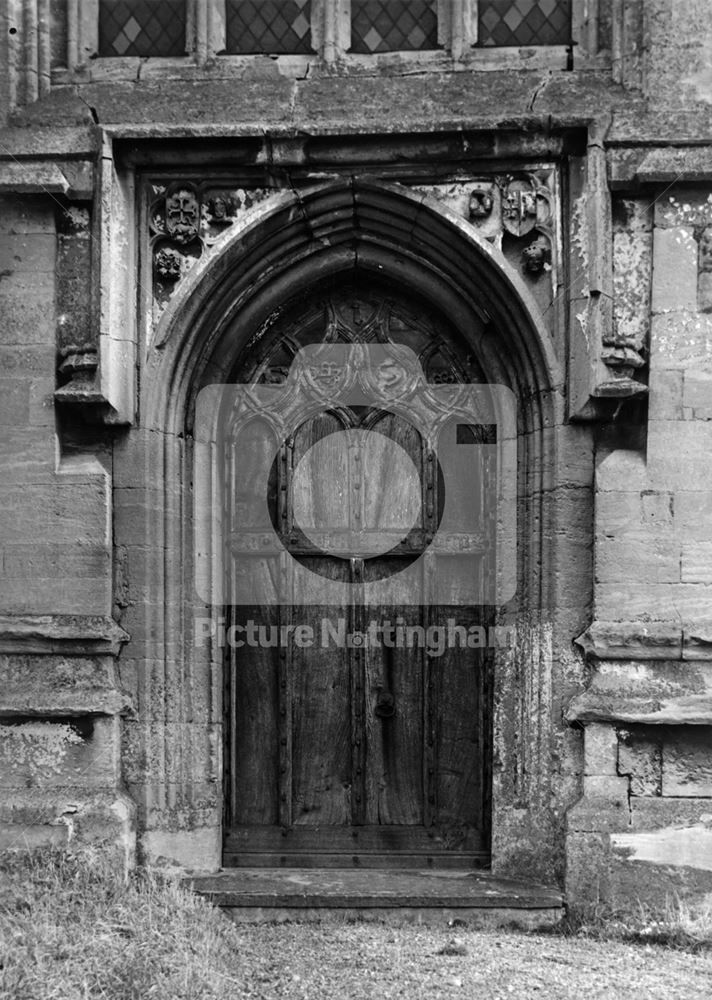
(270, 26)
(524, 22)
(393, 25)
(142, 27)
(206, 28)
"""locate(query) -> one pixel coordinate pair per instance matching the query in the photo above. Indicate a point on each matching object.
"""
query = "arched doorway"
(290, 248)
(357, 732)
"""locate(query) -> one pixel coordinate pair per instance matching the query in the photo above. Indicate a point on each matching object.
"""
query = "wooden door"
(341, 753)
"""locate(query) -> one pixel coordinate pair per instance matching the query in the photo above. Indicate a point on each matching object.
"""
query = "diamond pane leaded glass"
(393, 25)
(524, 22)
(271, 26)
(141, 27)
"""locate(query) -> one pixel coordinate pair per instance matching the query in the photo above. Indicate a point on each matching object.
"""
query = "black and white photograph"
(355, 499)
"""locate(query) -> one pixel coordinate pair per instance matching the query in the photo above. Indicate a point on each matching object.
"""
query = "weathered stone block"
(27, 309)
(50, 685)
(640, 759)
(176, 806)
(55, 595)
(697, 396)
(42, 413)
(687, 763)
(609, 787)
(693, 514)
(666, 811)
(161, 697)
(587, 868)
(598, 816)
(27, 458)
(632, 262)
(682, 341)
(690, 207)
(665, 395)
(102, 818)
(79, 752)
(26, 214)
(622, 471)
(27, 360)
(194, 850)
(173, 752)
(654, 601)
(696, 565)
(14, 401)
(27, 560)
(600, 749)
(637, 555)
(674, 450)
(697, 642)
(704, 292)
(33, 252)
(674, 270)
(618, 513)
(653, 692)
(657, 508)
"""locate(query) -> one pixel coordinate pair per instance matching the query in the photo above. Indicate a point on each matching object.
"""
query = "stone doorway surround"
(294, 237)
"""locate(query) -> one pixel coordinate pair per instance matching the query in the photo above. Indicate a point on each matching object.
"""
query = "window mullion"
(331, 28)
(217, 37)
(198, 14)
(584, 26)
(459, 25)
(82, 32)
(471, 16)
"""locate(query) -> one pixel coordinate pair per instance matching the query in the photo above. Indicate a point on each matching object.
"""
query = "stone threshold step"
(258, 894)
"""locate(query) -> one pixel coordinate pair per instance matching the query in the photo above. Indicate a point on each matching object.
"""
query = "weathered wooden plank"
(395, 742)
(371, 860)
(321, 725)
(459, 773)
(347, 839)
(254, 756)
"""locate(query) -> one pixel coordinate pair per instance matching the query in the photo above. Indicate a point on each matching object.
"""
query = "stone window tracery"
(330, 30)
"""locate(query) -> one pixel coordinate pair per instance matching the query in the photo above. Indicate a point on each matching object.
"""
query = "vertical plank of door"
(394, 791)
(287, 612)
(459, 671)
(359, 718)
(254, 729)
(321, 729)
(431, 500)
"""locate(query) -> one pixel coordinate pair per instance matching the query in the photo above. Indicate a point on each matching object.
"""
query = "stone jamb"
(161, 641)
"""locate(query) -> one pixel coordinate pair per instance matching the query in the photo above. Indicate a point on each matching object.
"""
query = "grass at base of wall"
(679, 925)
(71, 926)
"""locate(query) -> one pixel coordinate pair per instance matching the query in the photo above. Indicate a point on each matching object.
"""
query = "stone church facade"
(521, 192)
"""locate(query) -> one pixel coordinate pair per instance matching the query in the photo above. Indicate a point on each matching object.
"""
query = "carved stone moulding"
(185, 220)
(516, 212)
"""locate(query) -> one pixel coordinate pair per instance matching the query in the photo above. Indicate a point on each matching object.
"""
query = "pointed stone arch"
(290, 242)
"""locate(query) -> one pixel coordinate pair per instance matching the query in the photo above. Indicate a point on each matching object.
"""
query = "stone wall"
(59, 701)
(644, 825)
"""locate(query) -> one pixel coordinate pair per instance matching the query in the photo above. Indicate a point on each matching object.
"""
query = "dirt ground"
(73, 928)
(333, 960)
